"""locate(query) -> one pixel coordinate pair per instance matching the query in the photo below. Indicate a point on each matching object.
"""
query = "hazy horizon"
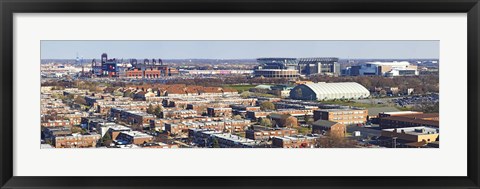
(241, 49)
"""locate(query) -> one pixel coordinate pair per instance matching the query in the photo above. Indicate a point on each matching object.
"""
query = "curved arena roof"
(328, 91)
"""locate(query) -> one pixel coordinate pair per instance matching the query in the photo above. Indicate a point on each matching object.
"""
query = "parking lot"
(413, 100)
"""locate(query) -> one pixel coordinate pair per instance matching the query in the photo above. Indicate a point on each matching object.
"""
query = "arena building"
(319, 65)
(277, 73)
(388, 69)
(329, 91)
(293, 67)
(277, 68)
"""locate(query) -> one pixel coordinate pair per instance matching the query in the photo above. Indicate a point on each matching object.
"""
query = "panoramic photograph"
(239, 94)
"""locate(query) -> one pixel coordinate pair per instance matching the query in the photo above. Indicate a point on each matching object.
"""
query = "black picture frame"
(9, 7)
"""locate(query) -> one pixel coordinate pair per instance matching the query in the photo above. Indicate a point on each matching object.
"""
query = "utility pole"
(394, 141)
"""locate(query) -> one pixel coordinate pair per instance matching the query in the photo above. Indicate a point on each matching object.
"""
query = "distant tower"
(77, 59)
(133, 62)
(104, 58)
(94, 63)
(146, 63)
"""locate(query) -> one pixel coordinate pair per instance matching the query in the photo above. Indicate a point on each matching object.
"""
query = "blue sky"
(240, 49)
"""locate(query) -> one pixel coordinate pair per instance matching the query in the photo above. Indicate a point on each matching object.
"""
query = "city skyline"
(69, 49)
(296, 94)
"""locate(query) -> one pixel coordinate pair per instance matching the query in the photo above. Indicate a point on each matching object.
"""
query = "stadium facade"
(276, 68)
(293, 67)
(321, 65)
(117, 68)
(329, 91)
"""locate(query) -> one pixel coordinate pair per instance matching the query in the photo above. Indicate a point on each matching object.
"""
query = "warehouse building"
(329, 91)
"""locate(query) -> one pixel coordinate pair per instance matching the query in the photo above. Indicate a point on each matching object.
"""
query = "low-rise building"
(411, 120)
(76, 140)
(329, 127)
(255, 115)
(344, 116)
(219, 112)
(51, 132)
(398, 113)
(226, 140)
(238, 109)
(136, 118)
(201, 137)
(266, 133)
(115, 130)
(133, 137)
(158, 145)
(91, 122)
(208, 138)
(178, 114)
(227, 125)
(410, 136)
(297, 141)
(283, 120)
(56, 123)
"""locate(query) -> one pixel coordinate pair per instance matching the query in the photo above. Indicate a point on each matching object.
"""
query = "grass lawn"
(240, 88)
(304, 130)
(242, 134)
(405, 108)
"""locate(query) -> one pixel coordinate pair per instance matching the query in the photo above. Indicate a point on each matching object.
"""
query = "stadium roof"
(337, 88)
(394, 63)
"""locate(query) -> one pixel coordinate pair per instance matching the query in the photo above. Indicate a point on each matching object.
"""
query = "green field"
(241, 88)
(352, 103)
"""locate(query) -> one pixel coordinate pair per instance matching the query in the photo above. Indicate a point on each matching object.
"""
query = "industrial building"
(329, 91)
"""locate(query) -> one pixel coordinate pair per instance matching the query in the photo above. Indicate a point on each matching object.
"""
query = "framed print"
(255, 94)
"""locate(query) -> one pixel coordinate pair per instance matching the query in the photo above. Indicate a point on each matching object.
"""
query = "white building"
(329, 91)
(390, 69)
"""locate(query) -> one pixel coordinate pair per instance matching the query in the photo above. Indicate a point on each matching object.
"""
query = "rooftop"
(136, 134)
(234, 138)
(298, 137)
(420, 130)
(417, 118)
(376, 110)
(117, 127)
(338, 110)
(324, 123)
(402, 112)
(394, 63)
